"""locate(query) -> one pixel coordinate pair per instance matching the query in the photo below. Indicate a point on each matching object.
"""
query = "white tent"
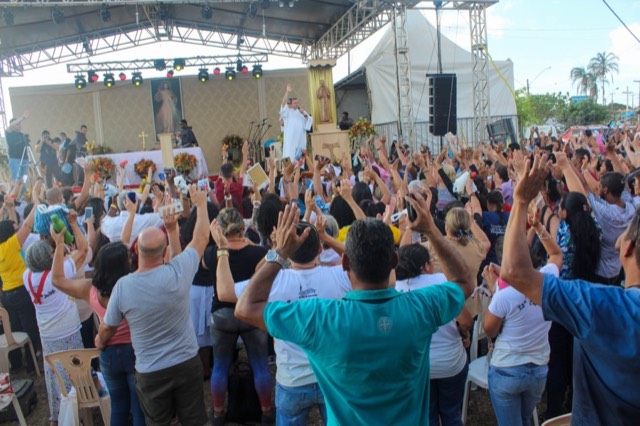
(381, 77)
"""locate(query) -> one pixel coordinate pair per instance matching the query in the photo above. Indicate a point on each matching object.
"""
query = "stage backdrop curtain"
(316, 75)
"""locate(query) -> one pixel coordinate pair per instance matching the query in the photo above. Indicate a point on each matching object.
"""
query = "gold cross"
(143, 136)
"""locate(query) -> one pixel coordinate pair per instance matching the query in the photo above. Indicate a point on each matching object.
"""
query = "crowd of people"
(364, 276)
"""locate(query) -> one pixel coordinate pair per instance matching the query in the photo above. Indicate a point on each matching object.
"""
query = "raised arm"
(517, 268)
(287, 94)
(452, 264)
(573, 181)
(345, 193)
(125, 237)
(26, 227)
(82, 248)
(250, 306)
(201, 229)
(224, 279)
(78, 288)
(548, 242)
(245, 157)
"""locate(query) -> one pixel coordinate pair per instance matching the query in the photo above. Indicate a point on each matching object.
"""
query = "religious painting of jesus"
(166, 98)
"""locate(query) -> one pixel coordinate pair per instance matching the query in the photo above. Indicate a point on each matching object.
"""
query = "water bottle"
(58, 224)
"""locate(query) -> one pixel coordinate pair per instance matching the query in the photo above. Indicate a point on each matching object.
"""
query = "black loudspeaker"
(442, 104)
(502, 131)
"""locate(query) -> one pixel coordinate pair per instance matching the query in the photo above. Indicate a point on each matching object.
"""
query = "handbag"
(243, 403)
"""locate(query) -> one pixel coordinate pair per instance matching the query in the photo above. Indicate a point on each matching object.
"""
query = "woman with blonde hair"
(226, 328)
(467, 237)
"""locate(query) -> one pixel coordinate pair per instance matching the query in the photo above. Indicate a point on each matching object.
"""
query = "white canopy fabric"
(381, 76)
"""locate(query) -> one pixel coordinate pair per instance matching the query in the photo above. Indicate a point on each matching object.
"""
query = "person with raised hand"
(603, 319)
(168, 368)
(360, 388)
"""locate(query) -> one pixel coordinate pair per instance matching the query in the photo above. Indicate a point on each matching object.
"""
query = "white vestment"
(295, 131)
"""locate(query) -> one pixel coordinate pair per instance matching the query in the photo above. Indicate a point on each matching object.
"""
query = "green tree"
(602, 65)
(586, 81)
(537, 109)
(584, 113)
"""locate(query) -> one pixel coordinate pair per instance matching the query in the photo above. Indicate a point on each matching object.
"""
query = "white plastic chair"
(564, 420)
(479, 368)
(13, 340)
(77, 363)
(11, 398)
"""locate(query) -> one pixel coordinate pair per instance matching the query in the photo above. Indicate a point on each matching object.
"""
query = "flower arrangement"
(362, 128)
(103, 167)
(142, 167)
(232, 142)
(123, 164)
(94, 149)
(185, 163)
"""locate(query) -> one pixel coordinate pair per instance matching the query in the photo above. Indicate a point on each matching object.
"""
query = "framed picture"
(166, 99)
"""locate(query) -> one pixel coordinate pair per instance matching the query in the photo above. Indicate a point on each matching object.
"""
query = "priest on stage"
(296, 124)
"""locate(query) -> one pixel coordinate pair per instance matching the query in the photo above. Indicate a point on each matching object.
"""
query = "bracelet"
(222, 252)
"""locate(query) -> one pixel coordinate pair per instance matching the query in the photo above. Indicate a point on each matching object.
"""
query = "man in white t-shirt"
(112, 225)
(297, 122)
(297, 389)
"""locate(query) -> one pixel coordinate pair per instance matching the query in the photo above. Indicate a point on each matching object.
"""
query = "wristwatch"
(273, 257)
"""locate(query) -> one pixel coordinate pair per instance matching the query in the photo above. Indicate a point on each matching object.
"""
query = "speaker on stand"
(442, 104)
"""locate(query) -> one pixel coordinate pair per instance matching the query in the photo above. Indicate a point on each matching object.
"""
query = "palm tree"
(601, 65)
(586, 81)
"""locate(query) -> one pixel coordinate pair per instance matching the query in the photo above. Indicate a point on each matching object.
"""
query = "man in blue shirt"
(370, 350)
(604, 320)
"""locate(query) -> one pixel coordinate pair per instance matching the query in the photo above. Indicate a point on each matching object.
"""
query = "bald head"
(54, 196)
(151, 244)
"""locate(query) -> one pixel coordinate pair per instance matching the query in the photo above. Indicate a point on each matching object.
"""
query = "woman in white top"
(447, 356)
(56, 313)
(518, 367)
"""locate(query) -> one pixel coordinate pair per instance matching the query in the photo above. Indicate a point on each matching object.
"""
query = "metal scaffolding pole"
(480, 74)
(403, 75)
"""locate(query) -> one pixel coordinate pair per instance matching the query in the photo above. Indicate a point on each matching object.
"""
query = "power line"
(621, 21)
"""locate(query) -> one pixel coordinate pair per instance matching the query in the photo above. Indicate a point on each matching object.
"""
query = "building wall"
(117, 116)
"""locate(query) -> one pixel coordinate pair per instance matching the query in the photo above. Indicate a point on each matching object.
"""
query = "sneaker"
(216, 421)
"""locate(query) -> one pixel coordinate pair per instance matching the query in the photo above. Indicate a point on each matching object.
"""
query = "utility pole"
(628, 92)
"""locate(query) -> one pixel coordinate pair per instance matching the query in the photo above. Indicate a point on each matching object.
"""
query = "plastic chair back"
(77, 363)
(6, 325)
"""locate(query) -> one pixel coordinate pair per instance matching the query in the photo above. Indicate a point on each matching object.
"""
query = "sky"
(544, 40)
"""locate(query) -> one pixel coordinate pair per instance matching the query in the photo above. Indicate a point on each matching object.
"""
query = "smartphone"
(321, 158)
(161, 176)
(25, 178)
(88, 212)
(132, 197)
(177, 208)
(203, 184)
(411, 212)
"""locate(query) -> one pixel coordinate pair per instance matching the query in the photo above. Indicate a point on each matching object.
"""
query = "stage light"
(257, 71)
(203, 75)
(170, 74)
(216, 71)
(80, 83)
(281, 3)
(159, 64)
(239, 65)
(266, 4)
(136, 78)
(290, 3)
(8, 17)
(92, 76)
(244, 69)
(230, 74)
(57, 15)
(253, 10)
(206, 12)
(109, 81)
(178, 64)
(104, 13)
(122, 76)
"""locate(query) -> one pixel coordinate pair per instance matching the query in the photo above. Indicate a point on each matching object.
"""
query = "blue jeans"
(445, 399)
(117, 365)
(225, 329)
(16, 171)
(22, 316)
(515, 391)
(294, 403)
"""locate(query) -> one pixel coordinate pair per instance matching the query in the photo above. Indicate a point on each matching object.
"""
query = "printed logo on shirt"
(308, 294)
(385, 324)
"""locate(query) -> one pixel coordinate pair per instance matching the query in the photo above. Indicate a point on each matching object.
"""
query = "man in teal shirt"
(370, 350)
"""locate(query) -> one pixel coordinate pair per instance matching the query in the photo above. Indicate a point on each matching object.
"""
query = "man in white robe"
(296, 124)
